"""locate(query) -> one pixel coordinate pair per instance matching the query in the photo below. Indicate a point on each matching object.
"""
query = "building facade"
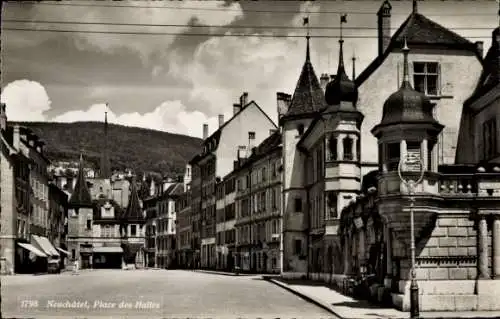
(213, 163)
(257, 197)
(166, 226)
(151, 212)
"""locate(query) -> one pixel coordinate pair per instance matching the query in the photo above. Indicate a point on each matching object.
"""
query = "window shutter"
(445, 78)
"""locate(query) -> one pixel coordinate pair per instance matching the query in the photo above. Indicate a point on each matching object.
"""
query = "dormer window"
(426, 77)
(300, 129)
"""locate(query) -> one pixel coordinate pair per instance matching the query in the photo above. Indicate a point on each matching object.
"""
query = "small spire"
(353, 66)
(341, 57)
(308, 53)
(406, 76)
(415, 6)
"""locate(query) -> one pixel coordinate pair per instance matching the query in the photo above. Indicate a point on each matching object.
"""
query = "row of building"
(320, 195)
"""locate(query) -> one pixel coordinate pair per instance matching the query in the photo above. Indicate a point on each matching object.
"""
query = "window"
(298, 205)
(358, 149)
(393, 154)
(332, 205)
(264, 174)
(332, 147)
(298, 247)
(489, 139)
(300, 129)
(89, 224)
(133, 230)
(426, 77)
(73, 253)
(347, 143)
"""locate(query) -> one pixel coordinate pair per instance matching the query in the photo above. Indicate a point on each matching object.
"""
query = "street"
(150, 294)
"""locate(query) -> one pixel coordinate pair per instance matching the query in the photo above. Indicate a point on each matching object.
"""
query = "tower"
(80, 217)
(306, 103)
(105, 162)
(132, 225)
(343, 138)
(407, 128)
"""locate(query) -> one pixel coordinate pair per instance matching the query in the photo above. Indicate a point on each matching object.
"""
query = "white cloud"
(222, 15)
(26, 100)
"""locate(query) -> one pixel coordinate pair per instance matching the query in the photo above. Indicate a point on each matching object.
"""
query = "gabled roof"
(81, 194)
(420, 31)
(308, 97)
(133, 213)
(217, 134)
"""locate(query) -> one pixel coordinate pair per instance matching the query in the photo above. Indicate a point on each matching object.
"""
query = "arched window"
(332, 148)
(347, 145)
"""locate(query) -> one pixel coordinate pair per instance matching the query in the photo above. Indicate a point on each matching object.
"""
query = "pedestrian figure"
(75, 267)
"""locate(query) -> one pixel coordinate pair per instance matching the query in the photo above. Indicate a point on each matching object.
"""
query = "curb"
(305, 297)
(329, 309)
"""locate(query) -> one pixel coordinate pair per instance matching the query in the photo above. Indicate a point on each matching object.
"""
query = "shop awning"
(116, 249)
(45, 245)
(32, 249)
(63, 251)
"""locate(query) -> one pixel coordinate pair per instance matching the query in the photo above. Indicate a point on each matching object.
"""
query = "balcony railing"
(457, 185)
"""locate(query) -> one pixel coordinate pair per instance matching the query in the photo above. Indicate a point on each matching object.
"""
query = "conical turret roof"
(81, 194)
(308, 97)
(133, 213)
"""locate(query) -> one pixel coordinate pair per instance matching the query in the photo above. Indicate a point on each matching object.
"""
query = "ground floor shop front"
(265, 259)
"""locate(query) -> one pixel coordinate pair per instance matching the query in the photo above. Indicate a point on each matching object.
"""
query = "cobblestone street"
(150, 294)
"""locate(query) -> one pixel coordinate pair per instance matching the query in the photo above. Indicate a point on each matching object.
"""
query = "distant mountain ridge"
(143, 150)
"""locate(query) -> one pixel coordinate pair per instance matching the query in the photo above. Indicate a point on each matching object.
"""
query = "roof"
(98, 203)
(490, 76)
(81, 194)
(134, 210)
(271, 143)
(420, 31)
(217, 134)
(308, 97)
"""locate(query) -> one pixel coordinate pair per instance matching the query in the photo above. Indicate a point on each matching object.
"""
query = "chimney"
(16, 138)
(323, 80)
(244, 99)
(251, 143)
(480, 48)
(221, 120)
(205, 131)
(236, 108)
(241, 152)
(384, 26)
(283, 102)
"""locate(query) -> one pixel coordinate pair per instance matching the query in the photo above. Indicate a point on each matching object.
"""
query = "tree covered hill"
(143, 150)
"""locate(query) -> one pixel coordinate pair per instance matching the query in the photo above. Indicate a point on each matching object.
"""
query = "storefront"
(53, 257)
(107, 257)
(29, 259)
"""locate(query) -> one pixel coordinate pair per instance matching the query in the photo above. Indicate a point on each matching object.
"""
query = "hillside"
(143, 150)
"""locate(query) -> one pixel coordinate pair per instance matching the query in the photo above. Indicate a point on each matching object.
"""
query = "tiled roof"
(81, 194)
(134, 210)
(308, 97)
(490, 77)
(419, 31)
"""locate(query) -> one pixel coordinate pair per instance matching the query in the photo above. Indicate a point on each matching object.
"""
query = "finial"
(415, 6)
(406, 77)
(353, 66)
(308, 53)
(343, 19)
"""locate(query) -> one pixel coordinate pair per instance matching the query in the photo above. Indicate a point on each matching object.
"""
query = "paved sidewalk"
(349, 308)
(224, 273)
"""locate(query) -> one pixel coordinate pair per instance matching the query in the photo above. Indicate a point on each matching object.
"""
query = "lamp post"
(412, 164)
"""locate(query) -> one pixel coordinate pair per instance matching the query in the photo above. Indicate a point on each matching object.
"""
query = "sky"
(207, 54)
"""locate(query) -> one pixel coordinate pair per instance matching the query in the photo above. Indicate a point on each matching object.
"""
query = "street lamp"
(412, 164)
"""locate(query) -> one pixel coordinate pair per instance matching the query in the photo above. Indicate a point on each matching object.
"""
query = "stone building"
(166, 246)
(15, 204)
(183, 232)
(225, 222)
(150, 208)
(58, 212)
(132, 229)
(216, 161)
(258, 201)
